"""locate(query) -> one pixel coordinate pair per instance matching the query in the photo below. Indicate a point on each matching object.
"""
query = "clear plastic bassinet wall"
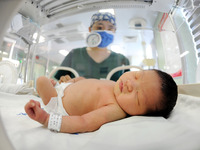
(39, 34)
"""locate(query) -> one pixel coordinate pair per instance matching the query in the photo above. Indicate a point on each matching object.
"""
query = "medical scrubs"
(79, 60)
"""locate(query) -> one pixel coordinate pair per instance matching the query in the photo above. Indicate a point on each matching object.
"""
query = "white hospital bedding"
(180, 132)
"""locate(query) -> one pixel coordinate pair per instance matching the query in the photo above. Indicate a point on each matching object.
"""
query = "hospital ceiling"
(58, 8)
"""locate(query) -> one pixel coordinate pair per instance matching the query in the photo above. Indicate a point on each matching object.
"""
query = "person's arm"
(76, 124)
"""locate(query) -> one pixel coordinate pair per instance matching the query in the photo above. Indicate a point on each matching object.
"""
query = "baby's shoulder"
(117, 111)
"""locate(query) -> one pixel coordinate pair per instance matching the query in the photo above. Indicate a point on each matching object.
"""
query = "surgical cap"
(106, 16)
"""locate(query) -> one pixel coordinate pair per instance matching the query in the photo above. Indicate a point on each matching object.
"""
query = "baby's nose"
(130, 85)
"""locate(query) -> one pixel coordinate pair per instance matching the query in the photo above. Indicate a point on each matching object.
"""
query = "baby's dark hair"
(168, 97)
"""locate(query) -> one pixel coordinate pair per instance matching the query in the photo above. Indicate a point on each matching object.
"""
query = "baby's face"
(138, 91)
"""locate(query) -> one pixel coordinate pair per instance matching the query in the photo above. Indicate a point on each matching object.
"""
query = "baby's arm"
(75, 124)
(93, 120)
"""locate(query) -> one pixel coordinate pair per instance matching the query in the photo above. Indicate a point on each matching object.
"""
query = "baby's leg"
(45, 89)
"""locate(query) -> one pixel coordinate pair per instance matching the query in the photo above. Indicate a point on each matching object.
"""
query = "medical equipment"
(52, 73)
(8, 80)
(55, 121)
(8, 72)
(93, 39)
(122, 68)
(106, 39)
(181, 131)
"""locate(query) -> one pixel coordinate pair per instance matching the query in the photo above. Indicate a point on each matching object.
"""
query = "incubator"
(37, 35)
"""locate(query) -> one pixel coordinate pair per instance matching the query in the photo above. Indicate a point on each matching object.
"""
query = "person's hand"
(35, 112)
(65, 78)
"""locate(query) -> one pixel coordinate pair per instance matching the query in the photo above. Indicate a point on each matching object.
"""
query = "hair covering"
(103, 16)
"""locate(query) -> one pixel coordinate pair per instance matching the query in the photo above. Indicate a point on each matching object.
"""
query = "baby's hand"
(53, 82)
(65, 78)
(35, 112)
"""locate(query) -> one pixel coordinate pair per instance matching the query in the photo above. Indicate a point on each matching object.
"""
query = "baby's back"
(87, 95)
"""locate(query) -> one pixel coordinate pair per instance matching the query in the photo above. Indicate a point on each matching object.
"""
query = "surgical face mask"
(106, 38)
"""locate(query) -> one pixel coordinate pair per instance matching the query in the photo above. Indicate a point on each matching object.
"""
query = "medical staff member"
(96, 60)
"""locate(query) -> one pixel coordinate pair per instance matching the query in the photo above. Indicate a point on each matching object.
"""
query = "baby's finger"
(53, 82)
(29, 109)
(61, 79)
(65, 79)
(28, 105)
(68, 77)
(37, 103)
(32, 103)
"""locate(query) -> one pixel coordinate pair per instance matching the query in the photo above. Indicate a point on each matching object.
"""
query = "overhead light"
(63, 52)
(184, 53)
(41, 38)
(5, 53)
(35, 35)
(108, 10)
(149, 51)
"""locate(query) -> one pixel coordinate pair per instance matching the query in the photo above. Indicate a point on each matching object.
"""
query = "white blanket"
(180, 132)
(25, 88)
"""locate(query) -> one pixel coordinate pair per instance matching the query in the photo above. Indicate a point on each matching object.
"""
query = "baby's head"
(168, 97)
(149, 92)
